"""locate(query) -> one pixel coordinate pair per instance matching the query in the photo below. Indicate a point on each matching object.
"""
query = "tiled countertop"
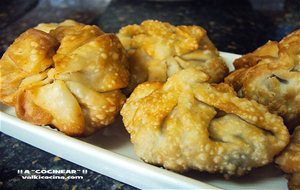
(237, 26)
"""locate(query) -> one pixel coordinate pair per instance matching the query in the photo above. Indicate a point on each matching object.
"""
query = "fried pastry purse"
(187, 123)
(50, 77)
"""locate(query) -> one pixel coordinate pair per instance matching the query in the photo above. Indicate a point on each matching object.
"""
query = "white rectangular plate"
(110, 152)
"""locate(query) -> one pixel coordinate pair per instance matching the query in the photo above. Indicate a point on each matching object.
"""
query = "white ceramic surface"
(110, 152)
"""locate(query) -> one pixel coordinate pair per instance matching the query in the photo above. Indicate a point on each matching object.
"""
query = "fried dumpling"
(80, 91)
(157, 50)
(187, 123)
(289, 160)
(271, 76)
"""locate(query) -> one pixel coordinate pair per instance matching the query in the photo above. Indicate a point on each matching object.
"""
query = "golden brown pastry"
(270, 75)
(76, 86)
(47, 27)
(157, 50)
(31, 53)
(187, 123)
(289, 160)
